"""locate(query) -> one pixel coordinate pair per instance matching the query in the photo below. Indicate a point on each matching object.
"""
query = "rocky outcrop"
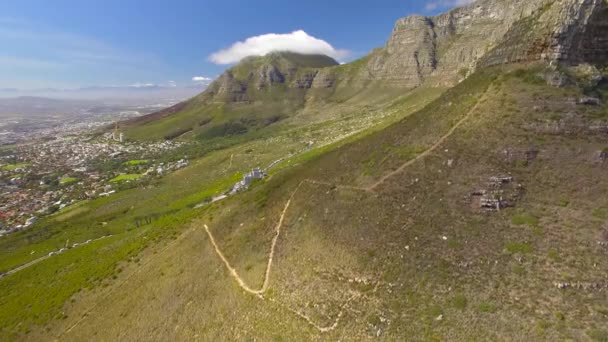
(306, 80)
(445, 48)
(441, 49)
(269, 75)
(324, 79)
(230, 89)
(568, 32)
(580, 32)
(409, 55)
(256, 77)
(490, 32)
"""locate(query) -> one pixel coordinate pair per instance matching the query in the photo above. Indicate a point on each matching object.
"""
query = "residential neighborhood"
(56, 171)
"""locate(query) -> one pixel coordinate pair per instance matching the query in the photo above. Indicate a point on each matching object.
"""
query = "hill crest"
(438, 51)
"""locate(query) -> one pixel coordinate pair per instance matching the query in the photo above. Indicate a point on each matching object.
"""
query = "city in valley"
(48, 170)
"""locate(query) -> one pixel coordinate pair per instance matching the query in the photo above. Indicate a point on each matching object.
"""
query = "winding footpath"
(260, 292)
(57, 252)
(24, 266)
(425, 153)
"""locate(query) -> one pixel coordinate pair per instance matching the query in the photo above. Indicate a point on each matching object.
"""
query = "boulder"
(589, 101)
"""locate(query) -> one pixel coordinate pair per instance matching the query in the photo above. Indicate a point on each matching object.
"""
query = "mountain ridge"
(439, 50)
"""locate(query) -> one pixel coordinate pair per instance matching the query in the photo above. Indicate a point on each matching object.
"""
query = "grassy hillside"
(381, 237)
(148, 218)
(263, 94)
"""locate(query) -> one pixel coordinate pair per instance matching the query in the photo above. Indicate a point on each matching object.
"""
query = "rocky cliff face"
(228, 88)
(490, 32)
(409, 55)
(447, 47)
(569, 32)
(256, 77)
(581, 32)
(442, 49)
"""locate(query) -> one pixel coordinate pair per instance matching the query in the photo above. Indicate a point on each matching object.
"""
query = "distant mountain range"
(33, 107)
(137, 92)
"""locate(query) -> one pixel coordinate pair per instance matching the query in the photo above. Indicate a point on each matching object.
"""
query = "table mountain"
(439, 50)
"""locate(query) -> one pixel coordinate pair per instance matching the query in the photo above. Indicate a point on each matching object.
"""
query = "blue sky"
(81, 43)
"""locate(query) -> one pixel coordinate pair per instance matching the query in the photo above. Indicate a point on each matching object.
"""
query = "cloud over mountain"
(297, 41)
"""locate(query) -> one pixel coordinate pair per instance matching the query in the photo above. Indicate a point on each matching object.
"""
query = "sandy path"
(35, 261)
(31, 263)
(273, 245)
(430, 149)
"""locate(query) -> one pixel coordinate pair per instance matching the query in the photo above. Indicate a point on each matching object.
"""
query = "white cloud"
(201, 79)
(443, 4)
(143, 85)
(297, 41)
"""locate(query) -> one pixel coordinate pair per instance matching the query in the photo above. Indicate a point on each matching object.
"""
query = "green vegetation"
(13, 167)
(169, 208)
(68, 180)
(125, 177)
(600, 213)
(518, 270)
(384, 245)
(216, 188)
(518, 247)
(96, 261)
(525, 219)
(463, 72)
(487, 307)
(6, 148)
(460, 302)
(554, 255)
(137, 162)
(530, 76)
(599, 335)
(70, 208)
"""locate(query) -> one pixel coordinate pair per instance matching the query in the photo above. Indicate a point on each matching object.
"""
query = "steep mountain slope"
(439, 50)
(478, 213)
(369, 248)
(488, 32)
(254, 94)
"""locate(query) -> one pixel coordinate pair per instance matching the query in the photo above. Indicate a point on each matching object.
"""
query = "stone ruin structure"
(524, 156)
(499, 192)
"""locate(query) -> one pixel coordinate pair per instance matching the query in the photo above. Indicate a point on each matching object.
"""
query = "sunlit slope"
(369, 248)
(147, 218)
(256, 93)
